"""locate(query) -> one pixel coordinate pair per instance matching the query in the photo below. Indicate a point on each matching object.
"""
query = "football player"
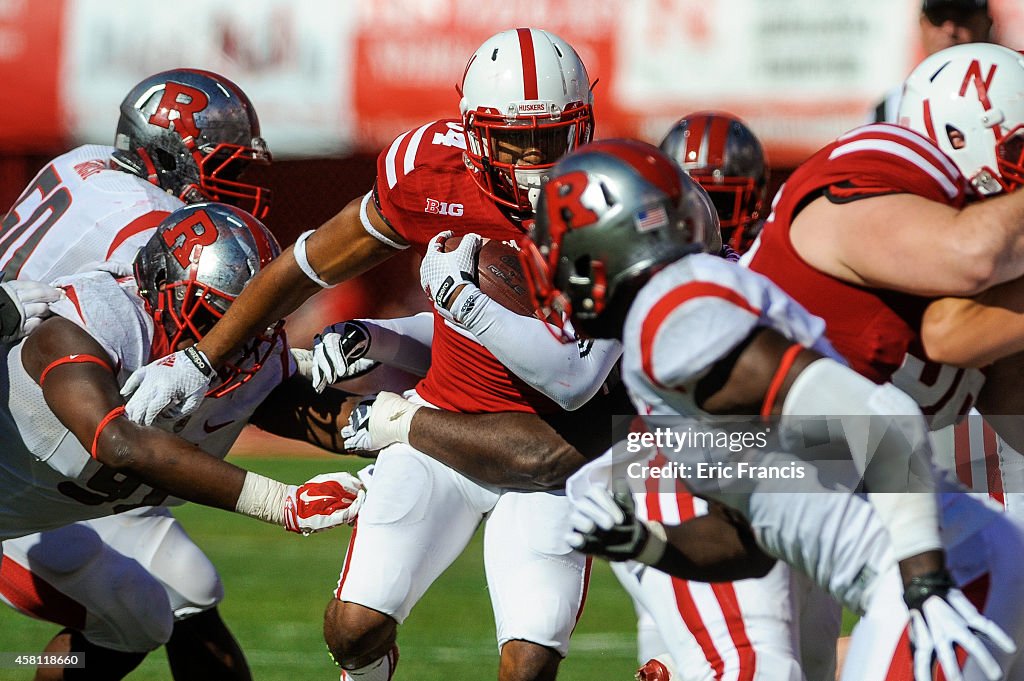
(704, 338)
(116, 584)
(724, 156)
(182, 136)
(896, 310)
(526, 100)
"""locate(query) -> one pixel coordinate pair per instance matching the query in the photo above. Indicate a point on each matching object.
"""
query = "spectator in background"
(944, 23)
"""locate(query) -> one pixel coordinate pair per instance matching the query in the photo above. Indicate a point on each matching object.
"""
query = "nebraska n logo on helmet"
(526, 102)
(193, 268)
(193, 133)
(967, 99)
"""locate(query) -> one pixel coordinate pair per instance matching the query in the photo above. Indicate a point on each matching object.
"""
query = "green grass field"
(277, 584)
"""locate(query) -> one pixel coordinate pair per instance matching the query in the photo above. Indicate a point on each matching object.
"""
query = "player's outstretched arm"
(977, 331)
(508, 449)
(568, 373)
(79, 386)
(339, 250)
(716, 547)
(911, 244)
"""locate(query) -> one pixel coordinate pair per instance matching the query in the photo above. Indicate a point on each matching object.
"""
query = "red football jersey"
(875, 329)
(423, 187)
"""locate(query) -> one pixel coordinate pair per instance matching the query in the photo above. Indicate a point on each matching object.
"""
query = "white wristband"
(262, 498)
(299, 251)
(657, 540)
(391, 419)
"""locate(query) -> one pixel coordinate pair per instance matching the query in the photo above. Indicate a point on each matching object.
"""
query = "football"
(500, 274)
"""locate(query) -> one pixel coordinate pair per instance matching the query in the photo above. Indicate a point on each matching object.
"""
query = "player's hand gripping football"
(23, 306)
(338, 354)
(174, 385)
(450, 278)
(605, 524)
(941, 618)
(323, 502)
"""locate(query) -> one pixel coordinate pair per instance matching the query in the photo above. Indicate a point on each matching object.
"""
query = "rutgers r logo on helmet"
(178, 107)
(187, 238)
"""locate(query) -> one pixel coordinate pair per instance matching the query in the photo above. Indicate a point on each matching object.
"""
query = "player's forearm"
(709, 549)
(168, 463)
(276, 291)
(404, 342)
(993, 239)
(568, 373)
(974, 332)
(508, 449)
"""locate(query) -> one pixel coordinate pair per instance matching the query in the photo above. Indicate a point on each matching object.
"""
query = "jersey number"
(106, 486)
(55, 202)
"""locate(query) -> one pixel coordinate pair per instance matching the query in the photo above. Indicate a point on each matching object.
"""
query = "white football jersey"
(47, 478)
(79, 210)
(692, 314)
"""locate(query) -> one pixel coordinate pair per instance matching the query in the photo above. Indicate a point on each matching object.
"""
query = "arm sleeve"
(404, 342)
(569, 373)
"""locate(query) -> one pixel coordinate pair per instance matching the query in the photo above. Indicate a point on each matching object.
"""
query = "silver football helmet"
(193, 133)
(610, 216)
(193, 268)
(725, 157)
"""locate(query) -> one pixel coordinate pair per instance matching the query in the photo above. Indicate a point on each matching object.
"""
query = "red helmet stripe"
(928, 125)
(529, 63)
(716, 136)
(264, 249)
(696, 143)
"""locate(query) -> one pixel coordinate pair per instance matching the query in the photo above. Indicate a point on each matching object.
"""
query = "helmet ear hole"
(165, 160)
(955, 136)
(581, 267)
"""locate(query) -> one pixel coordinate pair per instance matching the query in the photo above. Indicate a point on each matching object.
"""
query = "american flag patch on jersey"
(650, 218)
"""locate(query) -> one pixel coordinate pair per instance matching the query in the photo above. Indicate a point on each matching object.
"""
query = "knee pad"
(65, 550)
(137, 612)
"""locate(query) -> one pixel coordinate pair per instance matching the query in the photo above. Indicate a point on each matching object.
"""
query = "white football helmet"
(526, 102)
(969, 99)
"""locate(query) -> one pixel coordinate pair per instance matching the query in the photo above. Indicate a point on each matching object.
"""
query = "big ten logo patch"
(187, 238)
(444, 208)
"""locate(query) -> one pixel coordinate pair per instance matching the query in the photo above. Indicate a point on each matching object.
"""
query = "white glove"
(606, 525)
(23, 306)
(378, 421)
(175, 384)
(441, 274)
(337, 351)
(947, 620)
(323, 502)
